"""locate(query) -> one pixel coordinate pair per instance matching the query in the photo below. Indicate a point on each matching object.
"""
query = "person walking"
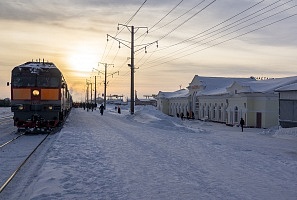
(101, 108)
(241, 124)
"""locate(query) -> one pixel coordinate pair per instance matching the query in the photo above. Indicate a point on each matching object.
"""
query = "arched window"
(220, 113)
(236, 114)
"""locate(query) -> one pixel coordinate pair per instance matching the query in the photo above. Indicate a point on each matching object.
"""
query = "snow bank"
(5, 111)
(288, 133)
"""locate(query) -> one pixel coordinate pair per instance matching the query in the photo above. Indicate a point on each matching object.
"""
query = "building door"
(259, 120)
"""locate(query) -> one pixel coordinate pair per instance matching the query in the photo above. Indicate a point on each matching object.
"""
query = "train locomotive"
(40, 99)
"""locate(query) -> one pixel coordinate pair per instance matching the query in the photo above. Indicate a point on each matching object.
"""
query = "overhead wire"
(172, 54)
(181, 23)
(217, 32)
(126, 23)
(161, 19)
(188, 39)
(119, 31)
(166, 15)
(224, 41)
(104, 55)
(174, 29)
(179, 16)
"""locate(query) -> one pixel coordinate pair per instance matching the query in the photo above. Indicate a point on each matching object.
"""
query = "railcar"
(40, 98)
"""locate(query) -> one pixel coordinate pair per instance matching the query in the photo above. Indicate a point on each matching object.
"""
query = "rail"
(13, 139)
(21, 165)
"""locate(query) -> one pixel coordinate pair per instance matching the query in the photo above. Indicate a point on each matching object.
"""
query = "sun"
(83, 59)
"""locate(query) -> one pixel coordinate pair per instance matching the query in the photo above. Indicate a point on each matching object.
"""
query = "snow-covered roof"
(291, 87)
(35, 67)
(38, 65)
(222, 85)
(215, 85)
(270, 85)
(176, 94)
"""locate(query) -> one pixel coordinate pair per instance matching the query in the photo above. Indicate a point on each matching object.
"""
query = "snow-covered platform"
(153, 156)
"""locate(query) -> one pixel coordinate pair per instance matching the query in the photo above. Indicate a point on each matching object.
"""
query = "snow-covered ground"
(153, 156)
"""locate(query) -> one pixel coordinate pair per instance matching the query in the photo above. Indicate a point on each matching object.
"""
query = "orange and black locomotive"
(40, 98)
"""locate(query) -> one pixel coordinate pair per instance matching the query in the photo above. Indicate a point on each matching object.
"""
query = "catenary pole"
(105, 79)
(132, 71)
(105, 75)
(132, 47)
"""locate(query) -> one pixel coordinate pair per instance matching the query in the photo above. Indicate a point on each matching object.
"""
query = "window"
(236, 114)
(220, 113)
(23, 81)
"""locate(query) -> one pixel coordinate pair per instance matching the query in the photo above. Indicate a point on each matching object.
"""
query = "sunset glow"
(210, 38)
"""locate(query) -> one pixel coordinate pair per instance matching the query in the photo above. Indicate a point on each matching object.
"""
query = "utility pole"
(133, 30)
(91, 92)
(95, 92)
(96, 85)
(105, 79)
(132, 72)
(87, 103)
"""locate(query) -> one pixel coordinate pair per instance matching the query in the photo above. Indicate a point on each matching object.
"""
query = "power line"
(127, 22)
(162, 18)
(178, 16)
(189, 39)
(227, 40)
(211, 33)
(186, 20)
(224, 29)
(131, 18)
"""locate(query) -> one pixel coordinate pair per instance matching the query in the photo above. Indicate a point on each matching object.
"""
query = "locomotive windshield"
(23, 81)
(43, 81)
(46, 78)
(35, 81)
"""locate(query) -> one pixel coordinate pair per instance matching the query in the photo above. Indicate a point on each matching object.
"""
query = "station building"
(227, 100)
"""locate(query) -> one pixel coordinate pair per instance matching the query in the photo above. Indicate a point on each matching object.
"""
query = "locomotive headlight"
(35, 92)
(21, 107)
(50, 107)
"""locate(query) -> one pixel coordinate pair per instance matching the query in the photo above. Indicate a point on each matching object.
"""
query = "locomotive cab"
(37, 95)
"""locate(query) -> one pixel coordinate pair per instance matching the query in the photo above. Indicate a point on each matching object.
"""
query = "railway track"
(13, 139)
(23, 162)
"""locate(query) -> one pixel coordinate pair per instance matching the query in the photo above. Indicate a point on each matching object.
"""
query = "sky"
(173, 41)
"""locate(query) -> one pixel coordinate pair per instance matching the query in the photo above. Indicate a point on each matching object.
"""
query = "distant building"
(148, 100)
(226, 100)
(173, 103)
(288, 106)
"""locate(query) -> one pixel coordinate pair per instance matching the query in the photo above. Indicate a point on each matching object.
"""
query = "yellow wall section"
(49, 94)
(21, 94)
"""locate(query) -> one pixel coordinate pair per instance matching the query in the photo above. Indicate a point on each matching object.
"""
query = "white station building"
(227, 100)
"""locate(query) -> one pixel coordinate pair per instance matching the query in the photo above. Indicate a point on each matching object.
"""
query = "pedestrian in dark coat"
(101, 108)
(182, 116)
(241, 124)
